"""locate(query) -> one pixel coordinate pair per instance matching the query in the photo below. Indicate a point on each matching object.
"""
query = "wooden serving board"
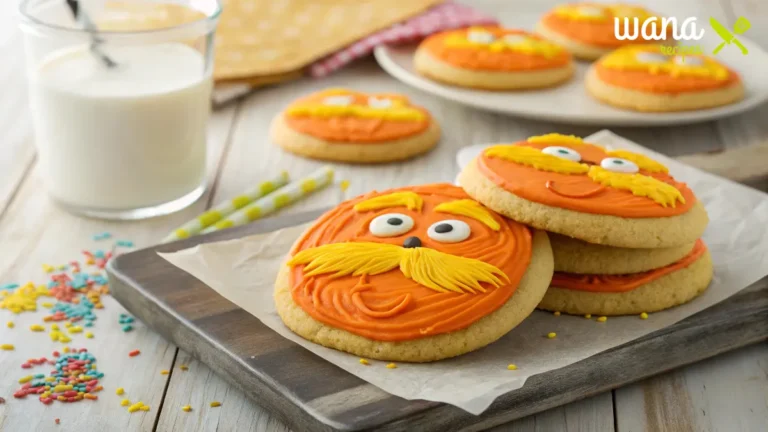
(309, 393)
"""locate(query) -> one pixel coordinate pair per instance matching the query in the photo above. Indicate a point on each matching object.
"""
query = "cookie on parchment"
(493, 58)
(642, 78)
(587, 29)
(567, 186)
(350, 126)
(629, 294)
(414, 274)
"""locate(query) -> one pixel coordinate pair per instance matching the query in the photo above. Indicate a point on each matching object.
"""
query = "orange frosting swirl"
(579, 192)
(470, 57)
(661, 83)
(389, 306)
(624, 283)
(356, 129)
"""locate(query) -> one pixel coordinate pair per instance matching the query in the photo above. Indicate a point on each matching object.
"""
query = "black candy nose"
(412, 242)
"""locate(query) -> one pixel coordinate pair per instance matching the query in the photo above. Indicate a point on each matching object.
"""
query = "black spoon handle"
(74, 7)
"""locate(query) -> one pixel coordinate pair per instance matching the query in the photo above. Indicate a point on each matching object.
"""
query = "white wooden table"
(726, 393)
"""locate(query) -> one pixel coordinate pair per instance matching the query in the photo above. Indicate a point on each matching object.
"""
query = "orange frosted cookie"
(352, 126)
(643, 78)
(587, 30)
(565, 185)
(493, 58)
(636, 293)
(412, 274)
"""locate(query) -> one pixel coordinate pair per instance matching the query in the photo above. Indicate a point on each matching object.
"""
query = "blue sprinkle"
(102, 236)
(98, 254)
(9, 286)
(124, 243)
(88, 324)
(127, 328)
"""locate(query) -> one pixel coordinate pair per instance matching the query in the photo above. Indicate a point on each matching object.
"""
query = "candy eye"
(688, 61)
(482, 37)
(619, 165)
(449, 231)
(651, 58)
(390, 225)
(563, 153)
(338, 100)
(383, 103)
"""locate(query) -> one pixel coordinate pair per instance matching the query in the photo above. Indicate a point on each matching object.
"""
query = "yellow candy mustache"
(455, 274)
(533, 157)
(396, 113)
(639, 184)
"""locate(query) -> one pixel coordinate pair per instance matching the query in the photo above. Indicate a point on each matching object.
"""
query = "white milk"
(123, 138)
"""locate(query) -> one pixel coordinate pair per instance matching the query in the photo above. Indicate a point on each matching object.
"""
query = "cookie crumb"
(512, 367)
(551, 335)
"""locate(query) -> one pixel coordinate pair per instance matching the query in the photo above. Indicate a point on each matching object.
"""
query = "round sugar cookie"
(641, 78)
(650, 291)
(576, 256)
(587, 29)
(415, 274)
(350, 126)
(493, 58)
(567, 186)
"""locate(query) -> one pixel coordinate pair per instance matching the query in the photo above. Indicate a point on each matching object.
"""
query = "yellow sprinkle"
(7, 347)
(215, 404)
(344, 185)
(11, 324)
(588, 316)
(89, 335)
(48, 268)
(65, 349)
(50, 379)
(186, 408)
(25, 379)
(47, 305)
(36, 328)
(364, 362)
(144, 408)
(62, 388)
(602, 319)
(119, 391)
(54, 327)
(391, 366)
(556, 313)
(551, 335)
(643, 315)
(183, 367)
(68, 325)
(75, 329)
(125, 402)
(512, 367)
(164, 372)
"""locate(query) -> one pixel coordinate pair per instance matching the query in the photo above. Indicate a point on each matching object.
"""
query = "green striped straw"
(276, 200)
(198, 224)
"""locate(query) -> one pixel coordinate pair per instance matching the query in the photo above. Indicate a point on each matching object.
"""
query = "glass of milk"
(124, 139)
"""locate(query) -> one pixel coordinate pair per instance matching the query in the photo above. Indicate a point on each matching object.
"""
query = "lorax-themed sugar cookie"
(587, 29)
(350, 126)
(493, 58)
(636, 293)
(642, 78)
(414, 274)
(608, 197)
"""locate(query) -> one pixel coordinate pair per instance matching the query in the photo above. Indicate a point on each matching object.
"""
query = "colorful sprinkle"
(551, 335)
(134, 353)
(164, 372)
(57, 420)
(74, 378)
(391, 366)
(556, 313)
(588, 316)
(183, 367)
(186, 408)
(102, 236)
(125, 402)
(643, 315)
(124, 243)
(9, 286)
(36, 328)
(512, 367)
(10, 324)
(7, 347)
(602, 318)
(126, 328)
(215, 404)
(119, 391)
(364, 362)
(89, 335)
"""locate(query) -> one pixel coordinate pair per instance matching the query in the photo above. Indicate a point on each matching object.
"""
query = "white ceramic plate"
(570, 102)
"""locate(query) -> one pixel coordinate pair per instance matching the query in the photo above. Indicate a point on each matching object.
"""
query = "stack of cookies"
(624, 233)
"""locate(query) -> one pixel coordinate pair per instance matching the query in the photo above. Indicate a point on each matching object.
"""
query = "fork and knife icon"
(740, 26)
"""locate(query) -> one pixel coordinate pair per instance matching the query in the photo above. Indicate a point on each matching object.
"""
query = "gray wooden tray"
(309, 393)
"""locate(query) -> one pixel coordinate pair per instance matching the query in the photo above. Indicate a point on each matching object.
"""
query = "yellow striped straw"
(226, 208)
(276, 200)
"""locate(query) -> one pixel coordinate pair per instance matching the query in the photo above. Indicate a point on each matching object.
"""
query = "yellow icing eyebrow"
(410, 200)
(556, 138)
(534, 157)
(334, 91)
(320, 110)
(643, 162)
(469, 208)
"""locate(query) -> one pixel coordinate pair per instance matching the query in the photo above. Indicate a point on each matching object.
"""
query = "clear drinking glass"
(120, 114)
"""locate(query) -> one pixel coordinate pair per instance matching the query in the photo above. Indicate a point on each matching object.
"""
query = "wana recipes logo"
(656, 28)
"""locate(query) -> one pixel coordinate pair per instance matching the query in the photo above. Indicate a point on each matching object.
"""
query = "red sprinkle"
(134, 353)
(19, 394)
(57, 421)
(26, 366)
(70, 393)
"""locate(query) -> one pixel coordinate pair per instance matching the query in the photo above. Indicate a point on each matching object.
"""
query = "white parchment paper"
(243, 271)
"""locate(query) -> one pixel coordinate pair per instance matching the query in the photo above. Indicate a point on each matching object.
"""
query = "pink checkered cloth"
(445, 16)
